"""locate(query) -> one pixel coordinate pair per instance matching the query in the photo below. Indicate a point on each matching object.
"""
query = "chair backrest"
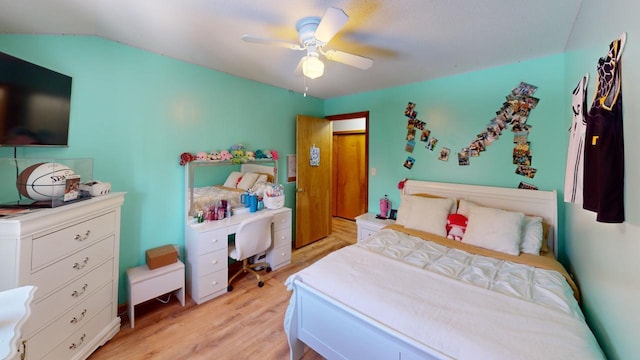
(253, 236)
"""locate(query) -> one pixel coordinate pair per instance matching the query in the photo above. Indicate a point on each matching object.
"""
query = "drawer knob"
(74, 346)
(214, 283)
(214, 262)
(214, 240)
(75, 320)
(78, 266)
(82, 238)
(77, 293)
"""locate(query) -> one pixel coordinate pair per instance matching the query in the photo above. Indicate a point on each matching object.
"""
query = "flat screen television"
(35, 103)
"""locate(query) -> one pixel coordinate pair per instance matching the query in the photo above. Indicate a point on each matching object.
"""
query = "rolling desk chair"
(252, 238)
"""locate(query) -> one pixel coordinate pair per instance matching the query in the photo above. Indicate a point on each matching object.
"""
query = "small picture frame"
(393, 213)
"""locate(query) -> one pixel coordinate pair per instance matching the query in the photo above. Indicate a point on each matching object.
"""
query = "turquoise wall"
(135, 112)
(604, 257)
(456, 109)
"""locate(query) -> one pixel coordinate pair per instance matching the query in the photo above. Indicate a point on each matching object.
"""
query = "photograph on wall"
(463, 157)
(520, 137)
(522, 154)
(409, 162)
(524, 89)
(409, 110)
(411, 134)
(431, 144)
(524, 185)
(424, 136)
(444, 154)
(473, 150)
(527, 171)
(410, 145)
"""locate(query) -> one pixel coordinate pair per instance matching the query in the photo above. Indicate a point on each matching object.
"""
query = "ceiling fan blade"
(268, 41)
(358, 61)
(332, 21)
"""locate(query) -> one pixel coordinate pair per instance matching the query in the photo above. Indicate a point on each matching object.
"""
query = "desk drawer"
(280, 256)
(72, 267)
(211, 283)
(46, 310)
(282, 220)
(282, 237)
(212, 240)
(67, 324)
(55, 245)
(211, 262)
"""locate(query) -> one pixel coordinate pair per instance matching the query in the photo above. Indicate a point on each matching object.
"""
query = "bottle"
(385, 205)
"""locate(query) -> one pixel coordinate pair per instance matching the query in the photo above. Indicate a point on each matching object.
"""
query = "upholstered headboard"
(531, 202)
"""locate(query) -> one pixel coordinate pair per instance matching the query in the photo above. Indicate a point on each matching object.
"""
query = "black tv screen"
(35, 104)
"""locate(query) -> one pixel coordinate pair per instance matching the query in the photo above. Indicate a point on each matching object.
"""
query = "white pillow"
(405, 206)
(262, 179)
(494, 229)
(403, 210)
(531, 235)
(463, 207)
(247, 181)
(429, 214)
(232, 179)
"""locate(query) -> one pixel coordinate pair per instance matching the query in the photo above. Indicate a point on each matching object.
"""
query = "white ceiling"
(409, 40)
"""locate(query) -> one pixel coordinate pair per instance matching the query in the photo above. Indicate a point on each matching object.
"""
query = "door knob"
(299, 190)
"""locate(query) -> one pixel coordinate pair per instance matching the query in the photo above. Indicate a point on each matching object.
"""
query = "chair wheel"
(261, 284)
(229, 288)
(268, 268)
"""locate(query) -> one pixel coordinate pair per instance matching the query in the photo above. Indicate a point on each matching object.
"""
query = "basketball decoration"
(43, 181)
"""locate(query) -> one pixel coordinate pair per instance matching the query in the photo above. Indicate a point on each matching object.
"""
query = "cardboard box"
(161, 256)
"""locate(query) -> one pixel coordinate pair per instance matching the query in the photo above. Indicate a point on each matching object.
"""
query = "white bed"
(398, 296)
(200, 197)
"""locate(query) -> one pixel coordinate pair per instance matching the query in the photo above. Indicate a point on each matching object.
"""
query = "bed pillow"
(494, 229)
(247, 181)
(232, 179)
(532, 235)
(405, 206)
(544, 248)
(429, 214)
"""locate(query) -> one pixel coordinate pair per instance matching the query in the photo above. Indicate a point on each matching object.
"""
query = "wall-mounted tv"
(35, 103)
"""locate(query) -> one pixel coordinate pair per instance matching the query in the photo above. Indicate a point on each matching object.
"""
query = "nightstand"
(368, 225)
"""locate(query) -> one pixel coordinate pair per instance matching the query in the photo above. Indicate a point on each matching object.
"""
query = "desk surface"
(233, 221)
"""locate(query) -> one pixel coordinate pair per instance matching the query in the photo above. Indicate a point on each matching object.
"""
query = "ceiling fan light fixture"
(312, 67)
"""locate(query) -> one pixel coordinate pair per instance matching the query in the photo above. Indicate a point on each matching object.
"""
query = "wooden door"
(349, 174)
(313, 188)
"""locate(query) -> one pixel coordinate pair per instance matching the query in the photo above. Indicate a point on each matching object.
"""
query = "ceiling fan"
(314, 33)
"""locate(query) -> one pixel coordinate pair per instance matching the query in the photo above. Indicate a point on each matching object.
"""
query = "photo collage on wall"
(416, 128)
(513, 115)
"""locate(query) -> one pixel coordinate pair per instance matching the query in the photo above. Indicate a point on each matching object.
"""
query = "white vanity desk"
(206, 251)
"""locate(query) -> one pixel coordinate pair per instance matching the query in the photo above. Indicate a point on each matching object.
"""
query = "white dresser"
(206, 252)
(71, 254)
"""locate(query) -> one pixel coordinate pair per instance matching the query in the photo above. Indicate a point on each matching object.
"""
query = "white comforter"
(465, 306)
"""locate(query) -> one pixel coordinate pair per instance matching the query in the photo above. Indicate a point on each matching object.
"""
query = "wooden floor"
(246, 323)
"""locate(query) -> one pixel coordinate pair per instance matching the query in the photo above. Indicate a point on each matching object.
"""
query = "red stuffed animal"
(456, 226)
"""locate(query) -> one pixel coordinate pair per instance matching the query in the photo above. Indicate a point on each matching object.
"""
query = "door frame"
(351, 116)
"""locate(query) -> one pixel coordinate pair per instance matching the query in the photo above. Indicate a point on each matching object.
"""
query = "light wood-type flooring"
(246, 323)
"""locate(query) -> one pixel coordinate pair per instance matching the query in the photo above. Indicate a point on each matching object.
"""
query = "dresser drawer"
(72, 267)
(82, 338)
(211, 283)
(52, 246)
(282, 220)
(213, 261)
(50, 307)
(69, 323)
